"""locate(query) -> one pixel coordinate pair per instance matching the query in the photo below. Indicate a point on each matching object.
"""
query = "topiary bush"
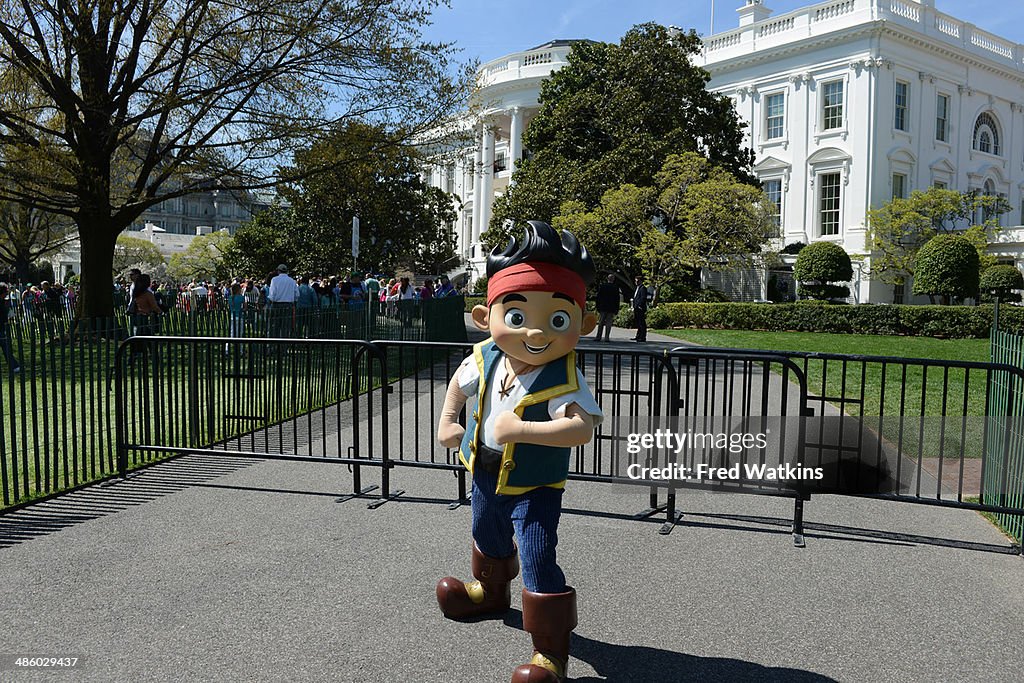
(818, 266)
(947, 266)
(998, 281)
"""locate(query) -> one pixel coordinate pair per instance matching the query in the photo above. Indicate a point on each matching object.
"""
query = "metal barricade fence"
(946, 433)
(378, 403)
(264, 398)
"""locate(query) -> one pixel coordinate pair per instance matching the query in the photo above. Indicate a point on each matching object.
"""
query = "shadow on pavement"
(93, 502)
(638, 664)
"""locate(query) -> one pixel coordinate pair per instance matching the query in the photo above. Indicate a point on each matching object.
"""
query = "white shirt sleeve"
(469, 376)
(581, 397)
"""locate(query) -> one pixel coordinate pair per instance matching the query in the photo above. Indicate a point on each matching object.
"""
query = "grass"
(902, 393)
(863, 344)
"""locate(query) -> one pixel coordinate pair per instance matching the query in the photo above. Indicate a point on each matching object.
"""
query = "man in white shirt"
(284, 291)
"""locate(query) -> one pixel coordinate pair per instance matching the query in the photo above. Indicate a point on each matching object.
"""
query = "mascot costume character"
(530, 407)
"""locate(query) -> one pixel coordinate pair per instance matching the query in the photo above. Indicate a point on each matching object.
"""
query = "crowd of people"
(282, 305)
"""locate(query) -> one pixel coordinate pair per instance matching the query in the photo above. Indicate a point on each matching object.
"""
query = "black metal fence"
(57, 412)
(912, 430)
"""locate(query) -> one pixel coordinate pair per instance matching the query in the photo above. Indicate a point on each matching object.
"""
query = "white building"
(172, 224)
(848, 104)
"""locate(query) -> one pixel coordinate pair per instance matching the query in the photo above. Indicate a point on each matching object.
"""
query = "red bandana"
(537, 277)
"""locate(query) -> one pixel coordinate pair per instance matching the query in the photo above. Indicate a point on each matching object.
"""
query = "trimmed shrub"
(947, 266)
(624, 318)
(658, 317)
(817, 316)
(480, 286)
(819, 265)
(1000, 280)
(793, 248)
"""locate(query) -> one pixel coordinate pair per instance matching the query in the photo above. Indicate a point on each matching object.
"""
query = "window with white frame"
(773, 190)
(942, 118)
(901, 104)
(829, 202)
(775, 116)
(986, 134)
(832, 105)
(899, 186)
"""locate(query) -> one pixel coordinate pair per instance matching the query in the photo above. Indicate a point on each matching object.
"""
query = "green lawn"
(905, 392)
(864, 344)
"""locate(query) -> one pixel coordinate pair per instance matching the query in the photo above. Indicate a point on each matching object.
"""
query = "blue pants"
(533, 517)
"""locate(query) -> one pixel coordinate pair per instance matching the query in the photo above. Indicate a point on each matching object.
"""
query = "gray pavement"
(224, 568)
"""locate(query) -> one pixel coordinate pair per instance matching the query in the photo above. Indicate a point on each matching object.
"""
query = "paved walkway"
(223, 568)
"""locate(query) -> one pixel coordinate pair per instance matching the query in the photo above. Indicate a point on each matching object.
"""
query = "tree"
(819, 266)
(374, 175)
(265, 242)
(130, 103)
(695, 215)
(27, 235)
(611, 116)
(1000, 281)
(203, 258)
(132, 252)
(947, 267)
(899, 228)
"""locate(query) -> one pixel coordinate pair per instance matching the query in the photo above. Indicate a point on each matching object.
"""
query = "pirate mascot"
(530, 407)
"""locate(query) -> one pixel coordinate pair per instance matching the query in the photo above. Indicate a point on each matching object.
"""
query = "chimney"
(753, 12)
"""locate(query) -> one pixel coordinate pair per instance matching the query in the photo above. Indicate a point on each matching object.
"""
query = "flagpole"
(712, 32)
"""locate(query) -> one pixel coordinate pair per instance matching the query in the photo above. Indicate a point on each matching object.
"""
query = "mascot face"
(535, 327)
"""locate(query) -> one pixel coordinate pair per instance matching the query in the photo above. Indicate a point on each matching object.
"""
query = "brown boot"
(489, 594)
(549, 618)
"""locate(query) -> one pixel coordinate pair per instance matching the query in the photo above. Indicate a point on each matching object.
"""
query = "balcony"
(536, 63)
(829, 17)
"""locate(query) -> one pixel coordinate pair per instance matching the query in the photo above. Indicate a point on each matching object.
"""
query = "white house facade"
(848, 104)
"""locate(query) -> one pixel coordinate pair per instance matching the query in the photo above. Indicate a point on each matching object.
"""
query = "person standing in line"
(281, 299)
(13, 365)
(607, 306)
(639, 303)
(306, 304)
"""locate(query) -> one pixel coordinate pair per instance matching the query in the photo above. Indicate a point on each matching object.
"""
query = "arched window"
(986, 134)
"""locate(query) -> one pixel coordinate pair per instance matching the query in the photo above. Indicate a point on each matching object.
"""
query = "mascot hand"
(450, 435)
(507, 427)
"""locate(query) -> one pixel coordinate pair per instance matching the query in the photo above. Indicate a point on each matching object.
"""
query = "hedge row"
(923, 321)
(817, 316)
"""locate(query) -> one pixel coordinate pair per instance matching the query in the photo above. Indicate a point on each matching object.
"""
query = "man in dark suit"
(639, 304)
(607, 306)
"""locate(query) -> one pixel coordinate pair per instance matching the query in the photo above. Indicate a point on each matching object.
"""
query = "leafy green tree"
(819, 266)
(999, 281)
(132, 252)
(899, 228)
(264, 242)
(132, 103)
(374, 175)
(204, 258)
(947, 267)
(611, 116)
(695, 215)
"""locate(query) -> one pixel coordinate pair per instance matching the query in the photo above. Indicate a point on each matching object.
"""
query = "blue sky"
(486, 29)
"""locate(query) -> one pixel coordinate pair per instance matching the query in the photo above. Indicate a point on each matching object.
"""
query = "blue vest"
(524, 466)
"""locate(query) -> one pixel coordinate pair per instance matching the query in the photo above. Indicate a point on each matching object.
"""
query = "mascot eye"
(514, 318)
(560, 321)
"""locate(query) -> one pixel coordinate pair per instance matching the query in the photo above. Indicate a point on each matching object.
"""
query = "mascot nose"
(537, 337)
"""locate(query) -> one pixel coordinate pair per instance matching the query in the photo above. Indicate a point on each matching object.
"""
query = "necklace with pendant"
(507, 382)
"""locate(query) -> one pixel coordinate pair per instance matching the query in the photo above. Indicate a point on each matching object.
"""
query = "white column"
(477, 203)
(486, 178)
(515, 139)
